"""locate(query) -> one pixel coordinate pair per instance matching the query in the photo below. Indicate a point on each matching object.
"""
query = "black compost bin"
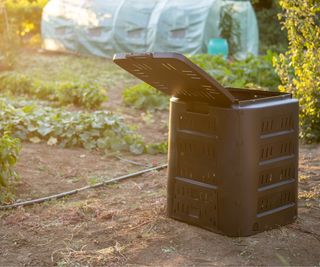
(233, 153)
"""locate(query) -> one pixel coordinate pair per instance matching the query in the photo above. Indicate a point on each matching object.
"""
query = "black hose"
(74, 191)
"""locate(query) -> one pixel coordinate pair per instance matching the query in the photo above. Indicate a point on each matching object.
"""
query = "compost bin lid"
(175, 75)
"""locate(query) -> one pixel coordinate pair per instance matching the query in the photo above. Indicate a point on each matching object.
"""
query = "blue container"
(218, 46)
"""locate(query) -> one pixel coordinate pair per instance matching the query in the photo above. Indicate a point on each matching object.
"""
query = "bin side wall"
(233, 171)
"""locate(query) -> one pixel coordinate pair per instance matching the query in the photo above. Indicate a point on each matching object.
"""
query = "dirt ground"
(126, 223)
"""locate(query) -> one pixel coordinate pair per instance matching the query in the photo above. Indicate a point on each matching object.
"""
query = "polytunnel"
(102, 28)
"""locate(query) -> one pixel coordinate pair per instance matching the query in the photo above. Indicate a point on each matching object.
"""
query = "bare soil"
(126, 223)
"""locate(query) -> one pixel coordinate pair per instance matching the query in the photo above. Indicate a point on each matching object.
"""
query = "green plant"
(80, 94)
(251, 72)
(101, 130)
(145, 97)
(271, 36)
(15, 83)
(157, 148)
(9, 152)
(25, 16)
(299, 67)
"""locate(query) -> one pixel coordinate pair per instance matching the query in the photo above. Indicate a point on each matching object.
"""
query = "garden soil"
(126, 223)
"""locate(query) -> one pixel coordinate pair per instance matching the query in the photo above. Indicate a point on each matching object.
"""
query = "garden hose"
(74, 191)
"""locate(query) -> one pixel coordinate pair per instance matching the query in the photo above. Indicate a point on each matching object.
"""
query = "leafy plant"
(80, 94)
(9, 152)
(145, 97)
(299, 67)
(101, 130)
(90, 130)
(251, 72)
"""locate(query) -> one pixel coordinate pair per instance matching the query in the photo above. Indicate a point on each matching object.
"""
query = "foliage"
(8, 42)
(270, 33)
(251, 72)
(96, 130)
(99, 129)
(25, 16)
(299, 67)
(80, 94)
(157, 148)
(9, 151)
(230, 28)
(145, 97)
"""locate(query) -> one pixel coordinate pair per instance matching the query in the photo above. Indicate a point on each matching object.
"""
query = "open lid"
(175, 75)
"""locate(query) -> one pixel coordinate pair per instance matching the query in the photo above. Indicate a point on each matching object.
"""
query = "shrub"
(145, 97)
(9, 44)
(15, 83)
(80, 94)
(25, 16)
(271, 36)
(299, 67)
(230, 28)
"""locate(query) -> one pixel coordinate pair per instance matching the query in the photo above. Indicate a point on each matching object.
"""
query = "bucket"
(218, 46)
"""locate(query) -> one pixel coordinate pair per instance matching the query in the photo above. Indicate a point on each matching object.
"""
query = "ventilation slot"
(271, 151)
(287, 173)
(267, 126)
(178, 33)
(195, 204)
(135, 34)
(210, 90)
(286, 123)
(204, 173)
(275, 200)
(95, 32)
(140, 67)
(198, 122)
(276, 175)
(168, 66)
(276, 124)
(194, 149)
(266, 152)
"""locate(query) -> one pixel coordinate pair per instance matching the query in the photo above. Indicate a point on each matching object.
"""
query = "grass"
(69, 68)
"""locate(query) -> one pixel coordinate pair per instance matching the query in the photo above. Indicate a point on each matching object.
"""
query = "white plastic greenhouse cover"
(105, 27)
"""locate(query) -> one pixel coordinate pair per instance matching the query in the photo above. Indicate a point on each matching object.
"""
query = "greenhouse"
(103, 28)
